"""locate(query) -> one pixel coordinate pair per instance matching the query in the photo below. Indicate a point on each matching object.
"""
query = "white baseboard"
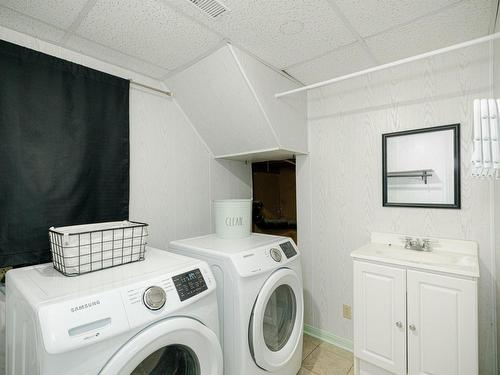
(328, 337)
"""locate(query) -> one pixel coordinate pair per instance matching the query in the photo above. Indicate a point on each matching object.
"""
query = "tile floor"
(321, 358)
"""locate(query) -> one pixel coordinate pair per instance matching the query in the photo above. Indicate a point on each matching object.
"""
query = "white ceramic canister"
(233, 218)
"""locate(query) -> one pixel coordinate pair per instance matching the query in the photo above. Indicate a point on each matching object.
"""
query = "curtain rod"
(168, 93)
(439, 51)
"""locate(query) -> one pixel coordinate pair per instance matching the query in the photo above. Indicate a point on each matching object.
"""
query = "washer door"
(180, 346)
(277, 320)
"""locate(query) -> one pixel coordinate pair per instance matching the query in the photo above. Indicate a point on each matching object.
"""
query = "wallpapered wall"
(339, 187)
(496, 94)
(173, 175)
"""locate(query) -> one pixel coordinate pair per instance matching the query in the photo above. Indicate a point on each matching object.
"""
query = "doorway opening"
(274, 198)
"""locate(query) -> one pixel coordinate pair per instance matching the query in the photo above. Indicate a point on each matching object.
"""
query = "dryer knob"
(275, 254)
(154, 298)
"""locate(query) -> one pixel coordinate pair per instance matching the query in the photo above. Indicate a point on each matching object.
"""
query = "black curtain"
(64, 150)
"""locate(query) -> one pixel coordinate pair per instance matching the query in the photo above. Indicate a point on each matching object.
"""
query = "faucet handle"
(408, 241)
(426, 244)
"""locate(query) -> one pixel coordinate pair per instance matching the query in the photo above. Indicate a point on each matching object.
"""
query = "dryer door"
(277, 320)
(181, 346)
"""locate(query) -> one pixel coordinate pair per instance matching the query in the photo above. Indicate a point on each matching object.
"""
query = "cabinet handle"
(399, 324)
(412, 327)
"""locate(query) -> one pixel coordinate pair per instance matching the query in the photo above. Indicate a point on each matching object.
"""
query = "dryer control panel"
(288, 249)
(265, 258)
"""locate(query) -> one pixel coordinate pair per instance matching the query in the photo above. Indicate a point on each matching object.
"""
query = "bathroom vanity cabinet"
(415, 312)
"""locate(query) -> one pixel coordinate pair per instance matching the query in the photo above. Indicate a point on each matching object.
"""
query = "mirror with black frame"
(421, 167)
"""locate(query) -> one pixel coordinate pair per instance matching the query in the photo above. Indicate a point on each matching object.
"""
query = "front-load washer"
(260, 294)
(157, 316)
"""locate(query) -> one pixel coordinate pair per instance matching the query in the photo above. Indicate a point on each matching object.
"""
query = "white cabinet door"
(380, 316)
(442, 325)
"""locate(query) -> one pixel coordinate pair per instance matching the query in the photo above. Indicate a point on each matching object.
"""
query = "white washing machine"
(260, 294)
(157, 316)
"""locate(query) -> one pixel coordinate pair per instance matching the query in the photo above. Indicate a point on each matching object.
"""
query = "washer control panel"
(88, 318)
(165, 294)
(189, 284)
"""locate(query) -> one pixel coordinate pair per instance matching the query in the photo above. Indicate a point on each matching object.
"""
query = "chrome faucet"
(418, 244)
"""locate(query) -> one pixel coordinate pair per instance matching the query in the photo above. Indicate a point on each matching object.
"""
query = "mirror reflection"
(421, 168)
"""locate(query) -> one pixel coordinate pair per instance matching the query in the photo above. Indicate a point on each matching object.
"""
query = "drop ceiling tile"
(111, 56)
(60, 13)
(282, 33)
(369, 17)
(27, 25)
(147, 29)
(347, 59)
(467, 20)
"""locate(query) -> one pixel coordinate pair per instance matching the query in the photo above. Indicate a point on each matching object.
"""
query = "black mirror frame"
(456, 161)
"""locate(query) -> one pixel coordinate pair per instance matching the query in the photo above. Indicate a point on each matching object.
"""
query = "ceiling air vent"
(211, 7)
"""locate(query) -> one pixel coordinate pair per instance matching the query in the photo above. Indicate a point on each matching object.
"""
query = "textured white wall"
(497, 259)
(496, 187)
(340, 187)
(173, 176)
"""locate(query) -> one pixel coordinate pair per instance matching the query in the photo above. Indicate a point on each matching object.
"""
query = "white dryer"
(147, 317)
(260, 294)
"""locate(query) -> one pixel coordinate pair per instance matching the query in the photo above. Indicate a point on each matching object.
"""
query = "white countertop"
(449, 256)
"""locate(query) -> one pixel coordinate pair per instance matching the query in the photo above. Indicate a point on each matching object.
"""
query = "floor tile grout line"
(307, 356)
(314, 372)
(311, 371)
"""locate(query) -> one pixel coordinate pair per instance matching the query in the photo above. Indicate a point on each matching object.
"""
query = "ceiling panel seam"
(33, 19)
(138, 59)
(270, 66)
(78, 20)
(197, 59)
(419, 18)
(338, 49)
(224, 40)
(123, 53)
(353, 31)
(289, 76)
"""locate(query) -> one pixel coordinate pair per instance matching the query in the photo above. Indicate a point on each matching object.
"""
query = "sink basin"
(427, 257)
(451, 256)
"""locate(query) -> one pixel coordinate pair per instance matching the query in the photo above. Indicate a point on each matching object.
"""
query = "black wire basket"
(81, 249)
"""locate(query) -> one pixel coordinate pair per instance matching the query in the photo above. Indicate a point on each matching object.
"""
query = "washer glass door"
(171, 359)
(279, 317)
(276, 324)
(173, 346)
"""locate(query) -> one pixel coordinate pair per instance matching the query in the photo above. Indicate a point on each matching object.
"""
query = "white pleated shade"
(486, 138)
